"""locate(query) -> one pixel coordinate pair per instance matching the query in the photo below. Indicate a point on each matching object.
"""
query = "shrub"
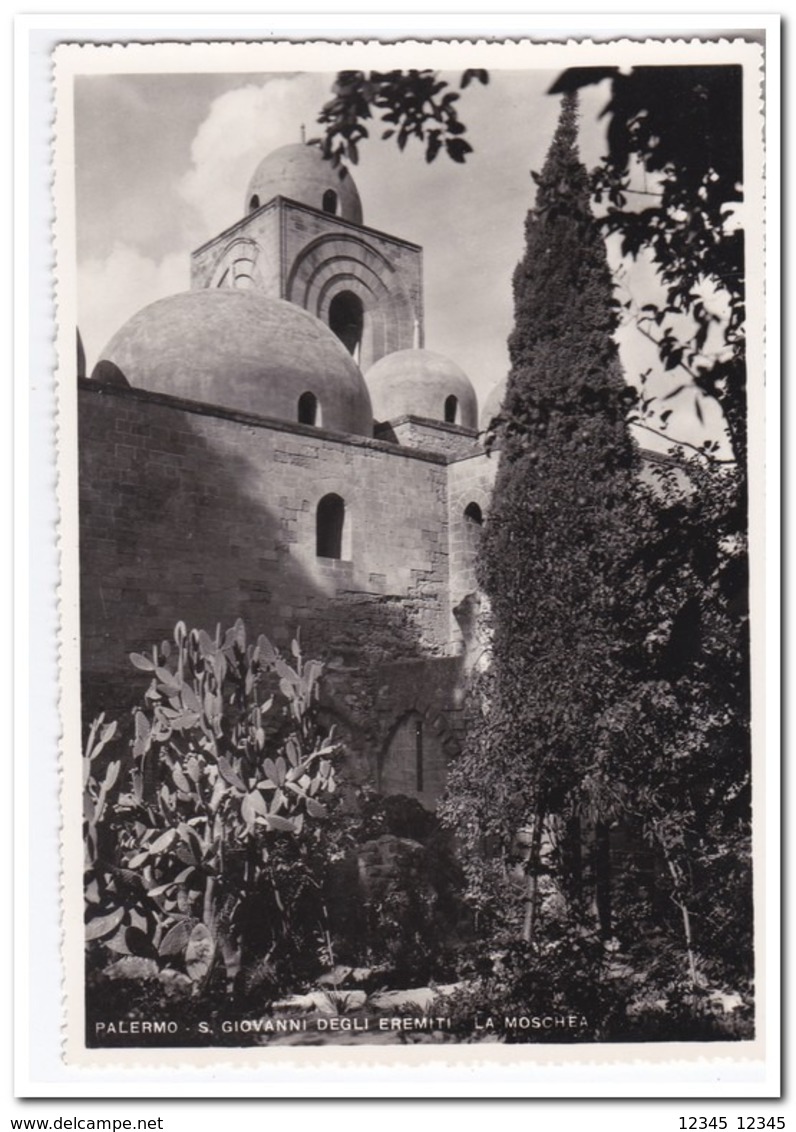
(206, 842)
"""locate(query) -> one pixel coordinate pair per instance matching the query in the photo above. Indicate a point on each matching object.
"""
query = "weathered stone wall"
(454, 441)
(469, 481)
(250, 247)
(325, 255)
(655, 465)
(297, 253)
(204, 515)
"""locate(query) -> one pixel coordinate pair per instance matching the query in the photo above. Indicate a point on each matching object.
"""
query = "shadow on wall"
(183, 516)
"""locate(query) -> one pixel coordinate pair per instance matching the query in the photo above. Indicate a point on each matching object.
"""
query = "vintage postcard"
(410, 431)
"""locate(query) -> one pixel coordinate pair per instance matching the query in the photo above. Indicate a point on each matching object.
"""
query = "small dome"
(240, 350)
(421, 383)
(493, 403)
(300, 173)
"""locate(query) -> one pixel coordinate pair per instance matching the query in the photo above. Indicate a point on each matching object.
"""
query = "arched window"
(451, 409)
(254, 203)
(308, 409)
(330, 202)
(329, 527)
(346, 320)
(473, 515)
(473, 522)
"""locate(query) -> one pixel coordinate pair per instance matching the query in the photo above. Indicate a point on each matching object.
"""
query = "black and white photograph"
(415, 415)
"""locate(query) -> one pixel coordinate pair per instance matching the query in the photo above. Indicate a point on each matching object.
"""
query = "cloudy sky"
(162, 163)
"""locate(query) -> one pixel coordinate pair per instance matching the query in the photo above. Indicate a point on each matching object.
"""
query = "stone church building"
(277, 444)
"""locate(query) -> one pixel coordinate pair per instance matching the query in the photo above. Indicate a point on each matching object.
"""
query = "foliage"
(618, 700)
(687, 621)
(612, 727)
(563, 505)
(572, 976)
(206, 850)
(566, 974)
(686, 706)
(144, 998)
(683, 126)
(400, 918)
(412, 104)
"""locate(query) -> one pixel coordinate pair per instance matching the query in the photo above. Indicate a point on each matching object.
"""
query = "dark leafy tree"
(563, 510)
(683, 127)
(616, 708)
(678, 741)
(411, 104)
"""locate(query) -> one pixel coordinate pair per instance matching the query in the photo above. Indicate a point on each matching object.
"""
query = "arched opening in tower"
(451, 409)
(254, 203)
(347, 321)
(330, 202)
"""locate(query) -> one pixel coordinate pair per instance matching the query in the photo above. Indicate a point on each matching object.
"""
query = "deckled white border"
(139, 58)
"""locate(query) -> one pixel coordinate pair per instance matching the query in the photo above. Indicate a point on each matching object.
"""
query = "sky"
(162, 163)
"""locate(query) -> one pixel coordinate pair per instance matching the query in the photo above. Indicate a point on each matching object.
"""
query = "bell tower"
(302, 239)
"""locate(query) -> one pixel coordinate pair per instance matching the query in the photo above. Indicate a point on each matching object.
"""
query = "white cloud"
(113, 288)
(240, 128)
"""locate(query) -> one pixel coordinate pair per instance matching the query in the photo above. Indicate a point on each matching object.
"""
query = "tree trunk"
(532, 892)
(686, 920)
(572, 859)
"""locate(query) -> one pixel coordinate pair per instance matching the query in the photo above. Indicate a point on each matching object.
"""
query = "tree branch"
(656, 342)
(682, 444)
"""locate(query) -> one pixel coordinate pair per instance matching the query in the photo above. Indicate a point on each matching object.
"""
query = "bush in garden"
(405, 930)
(207, 842)
(402, 922)
(573, 975)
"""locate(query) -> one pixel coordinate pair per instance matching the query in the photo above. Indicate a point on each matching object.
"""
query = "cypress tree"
(617, 693)
(561, 515)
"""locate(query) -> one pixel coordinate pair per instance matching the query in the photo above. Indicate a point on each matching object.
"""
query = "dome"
(493, 403)
(300, 173)
(421, 383)
(241, 350)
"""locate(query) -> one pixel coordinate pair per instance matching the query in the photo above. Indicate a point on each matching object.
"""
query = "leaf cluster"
(681, 126)
(205, 838)
(410, 104)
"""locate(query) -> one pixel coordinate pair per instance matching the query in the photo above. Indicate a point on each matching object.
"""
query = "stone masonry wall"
(253, 240)
(324, 255)
(433, 436)
(470, 480)
(205, 516)
(297, 253)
